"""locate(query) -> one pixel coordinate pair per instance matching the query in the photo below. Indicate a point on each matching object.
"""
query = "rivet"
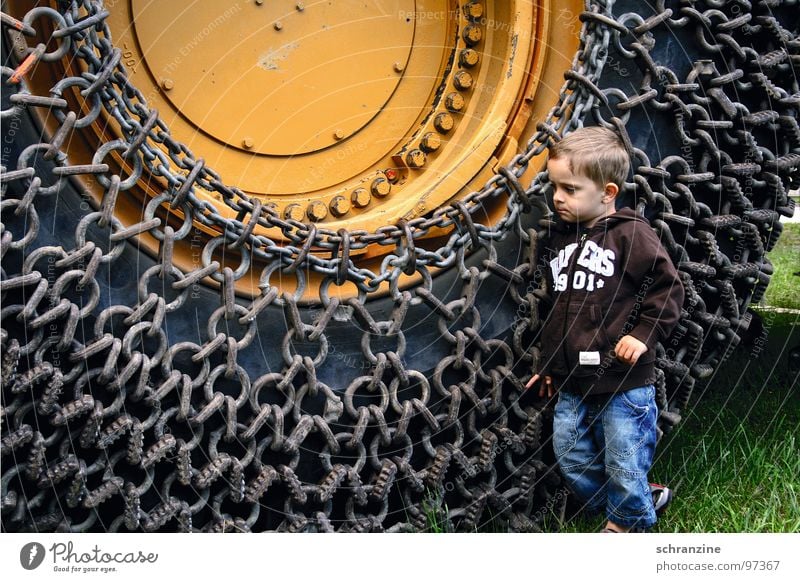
(430, 142)
(381, 187)
(338, 134)
(472, 34)
(416, 158)
(278, 25)
(399, 67)
(468, 58)
(248, 142)
(317, 211)
(339, 206)
(300, 6)
(360, 197)
(462, 80)
(474, 10)
(167, 84)
(294, 212)
(259, 2)
(443, 122)
(454, 102)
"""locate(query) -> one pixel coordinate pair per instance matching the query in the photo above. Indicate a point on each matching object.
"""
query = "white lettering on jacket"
(594, 259)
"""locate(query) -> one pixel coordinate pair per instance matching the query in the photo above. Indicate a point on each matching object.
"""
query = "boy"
(616, 294)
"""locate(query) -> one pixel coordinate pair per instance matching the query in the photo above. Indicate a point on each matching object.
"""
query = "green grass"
(734, 459)
(436, 514)
(783, 287)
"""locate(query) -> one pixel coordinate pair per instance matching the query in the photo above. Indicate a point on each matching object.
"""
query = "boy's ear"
(610, 191)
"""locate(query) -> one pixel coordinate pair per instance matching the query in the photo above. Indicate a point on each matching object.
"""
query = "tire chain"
(104, 428)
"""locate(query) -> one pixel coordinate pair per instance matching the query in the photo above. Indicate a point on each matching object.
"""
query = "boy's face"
(577, 198)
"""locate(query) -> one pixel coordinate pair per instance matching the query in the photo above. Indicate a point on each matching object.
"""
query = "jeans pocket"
(639, 400)
(565, 424)
(629, 423)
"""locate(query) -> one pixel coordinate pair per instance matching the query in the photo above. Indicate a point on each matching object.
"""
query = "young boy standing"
(616, 294)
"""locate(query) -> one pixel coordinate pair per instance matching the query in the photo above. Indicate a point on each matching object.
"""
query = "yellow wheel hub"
(265, 80)
(351, 115)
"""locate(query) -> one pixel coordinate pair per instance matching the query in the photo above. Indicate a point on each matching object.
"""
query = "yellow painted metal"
(352, 115)
(342, 92)
(332, 106)
(321, 77)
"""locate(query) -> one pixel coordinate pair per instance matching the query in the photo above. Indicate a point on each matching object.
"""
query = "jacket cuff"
(648, 332)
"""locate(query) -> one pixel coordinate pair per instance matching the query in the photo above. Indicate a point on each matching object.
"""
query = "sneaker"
(662, 496)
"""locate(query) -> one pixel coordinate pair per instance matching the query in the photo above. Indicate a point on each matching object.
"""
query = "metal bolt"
(462, 80)
(468, 58)
(248, 142)
(300, 6)
(317, 211)
(167, 84)
(338, 134)
(360, 197)
(430, 142)
(294, 212)
(443, 122)
(472, 34)
(278, 25)
(339, 206)
(381, 187)
(399, 67)
(416, 158)
(473, 10)
(454, 102)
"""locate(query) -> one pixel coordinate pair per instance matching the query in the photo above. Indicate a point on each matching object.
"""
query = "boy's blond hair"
(595, 152)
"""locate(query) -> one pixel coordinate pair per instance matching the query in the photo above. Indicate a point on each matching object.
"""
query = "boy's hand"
(547, 383)
(629, 349)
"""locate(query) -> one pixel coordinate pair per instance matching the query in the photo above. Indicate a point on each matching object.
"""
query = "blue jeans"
(605, 450)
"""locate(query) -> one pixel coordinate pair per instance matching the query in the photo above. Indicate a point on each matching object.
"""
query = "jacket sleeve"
(660, 295)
